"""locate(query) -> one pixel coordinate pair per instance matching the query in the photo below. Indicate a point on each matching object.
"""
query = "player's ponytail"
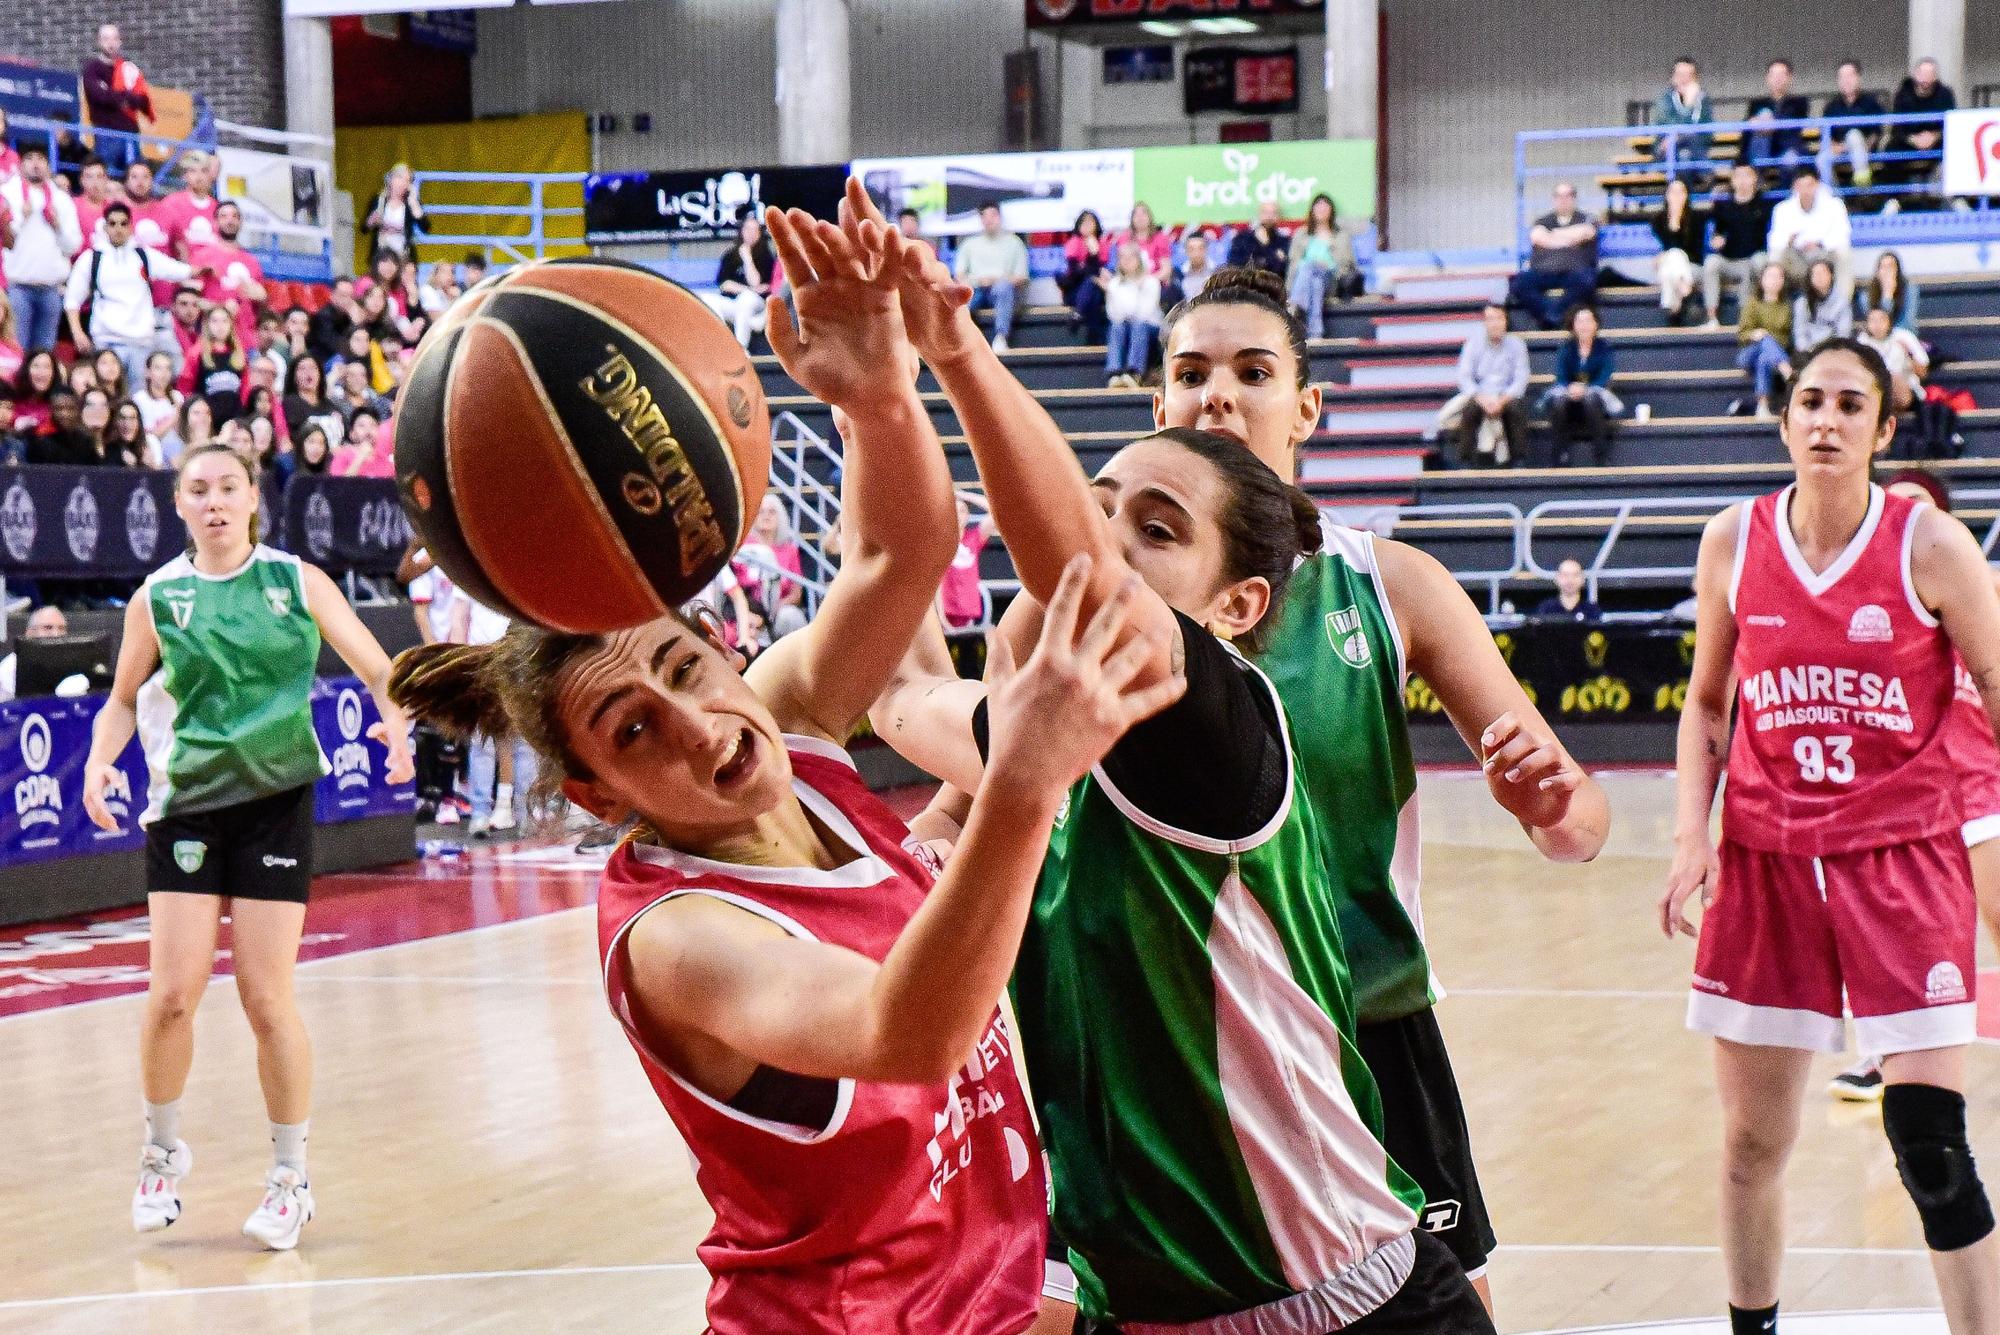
(444, 685)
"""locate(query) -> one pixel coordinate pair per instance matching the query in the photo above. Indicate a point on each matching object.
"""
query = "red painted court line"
(47, 965)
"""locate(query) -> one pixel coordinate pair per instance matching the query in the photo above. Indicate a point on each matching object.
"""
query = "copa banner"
(1227, 183)
(345, 523)
(1972, 152)
(1036, 192)
(1589, 672)
(44, 743)
(701, 205)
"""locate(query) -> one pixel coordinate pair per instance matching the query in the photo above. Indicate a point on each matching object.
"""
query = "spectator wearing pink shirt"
(772, 542)
(94, 191)
(959, 600)
(235, 280)
(1154, 244)
(365, 454)
(188, 214)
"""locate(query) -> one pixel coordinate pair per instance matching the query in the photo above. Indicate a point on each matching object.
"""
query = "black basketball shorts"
(260, 849)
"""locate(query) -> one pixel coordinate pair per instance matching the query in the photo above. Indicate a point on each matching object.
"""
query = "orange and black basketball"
(581, 443)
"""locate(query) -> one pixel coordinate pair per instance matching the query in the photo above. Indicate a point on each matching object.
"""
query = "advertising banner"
(82, 522)
(343, 712)
(1225, 183)
(1972, 152)
(1585, 672)
(286, 203)
(33, 90)
(701, 205)
(1072, 13)
(1036, 192)
(345, 523)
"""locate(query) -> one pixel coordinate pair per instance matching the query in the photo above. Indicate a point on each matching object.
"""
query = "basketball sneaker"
(287, 1208)
(157, 1202)
(1859, 1083)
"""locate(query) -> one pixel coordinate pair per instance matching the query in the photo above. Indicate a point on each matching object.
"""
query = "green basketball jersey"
(1336, 657)
(228, 716)
(1213, 1134)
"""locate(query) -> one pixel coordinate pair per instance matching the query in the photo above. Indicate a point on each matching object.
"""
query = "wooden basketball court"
(487, 1156)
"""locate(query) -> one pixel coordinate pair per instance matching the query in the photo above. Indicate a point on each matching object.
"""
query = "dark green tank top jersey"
(227, 718)
(1336, 658)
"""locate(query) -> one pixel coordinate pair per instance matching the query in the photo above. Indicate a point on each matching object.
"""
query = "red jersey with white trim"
(1844, 690)
(920, 1208)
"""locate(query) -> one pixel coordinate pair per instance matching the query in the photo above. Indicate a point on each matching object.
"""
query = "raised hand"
(933, 300)
(840, 334)
(1055, 716)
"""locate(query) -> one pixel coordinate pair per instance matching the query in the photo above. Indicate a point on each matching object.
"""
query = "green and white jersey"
(227, 718)
(1336, 657)
(1214, 1136)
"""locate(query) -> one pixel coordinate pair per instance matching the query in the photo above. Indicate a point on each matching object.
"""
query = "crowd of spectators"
(136, 325)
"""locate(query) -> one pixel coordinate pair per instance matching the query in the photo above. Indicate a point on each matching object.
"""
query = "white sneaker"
(287, 1208)
(447, 814)
(1000, 343)
(503, 816)
(157, 1202)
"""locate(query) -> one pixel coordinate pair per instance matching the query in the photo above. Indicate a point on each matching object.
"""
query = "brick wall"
(230, 51)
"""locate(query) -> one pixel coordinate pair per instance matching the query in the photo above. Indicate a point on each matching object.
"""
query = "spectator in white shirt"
(116, 283)
(1132, 305)
(1811, 224)
(46, 238)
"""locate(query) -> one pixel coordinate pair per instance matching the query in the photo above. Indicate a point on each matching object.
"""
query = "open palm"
(840, 333)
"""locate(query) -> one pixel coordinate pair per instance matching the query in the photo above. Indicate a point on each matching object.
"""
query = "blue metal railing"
(1678, 162)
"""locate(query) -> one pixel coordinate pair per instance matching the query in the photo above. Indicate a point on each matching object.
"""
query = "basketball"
(581, 443)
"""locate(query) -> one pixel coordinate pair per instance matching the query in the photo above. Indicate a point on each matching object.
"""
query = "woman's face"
(386, 270)
(1888, 271)
(666, 725)
(200, 419)
(159, 374)
(374, 301)
(1142, 219)
(1586, 323)
(308, 375)
(82, 377)
(297, 324)
(770, 520)
(262, 437)
(1878, 322)
(216, 500)
(357, 345)
(1322, 213)
(1230, 370)
(1832, 424)
(65, 412)
(260, 402)
(129, 425)
(109, 369)
(41, 373)
(96, 411)
(399, 180)
(750, 231)
(217, 324)
(312, 448)
(1772, 282)
(1087, 225)
(1130, 262)
(1164, 503)
(1820, 279)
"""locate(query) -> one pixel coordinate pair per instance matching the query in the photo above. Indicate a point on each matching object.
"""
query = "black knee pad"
(1926, 1127)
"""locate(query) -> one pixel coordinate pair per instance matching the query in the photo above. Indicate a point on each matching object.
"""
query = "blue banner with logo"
(44, 743)
(36, 90)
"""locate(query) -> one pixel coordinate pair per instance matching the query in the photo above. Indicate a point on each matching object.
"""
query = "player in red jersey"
(1976, 758)
(818, 1015)
(1829, 614)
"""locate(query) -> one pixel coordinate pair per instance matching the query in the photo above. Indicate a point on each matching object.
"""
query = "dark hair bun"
(1247, 278)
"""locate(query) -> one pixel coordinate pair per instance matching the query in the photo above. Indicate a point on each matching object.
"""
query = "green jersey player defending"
(1360, 616)
(216, 670)
(1184, 1003)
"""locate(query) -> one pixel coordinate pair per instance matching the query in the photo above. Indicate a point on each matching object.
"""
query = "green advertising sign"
(1225, 183)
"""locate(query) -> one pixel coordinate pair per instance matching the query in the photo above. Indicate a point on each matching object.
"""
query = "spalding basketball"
(581, 443)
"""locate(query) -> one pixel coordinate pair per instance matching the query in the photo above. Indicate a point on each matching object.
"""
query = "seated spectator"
(743, 281)
(69, 442)
(1819, 312)
(1764, 336)
(1084, 255)
(184, 328)
(116, 95)
(261, 400)
(269, 346)
(147, 229)
(1132, 304)
(1580, 404)
(1321, 261)
(82, 377)
(1569, 602)
(195, 428)
(45, 623)
(1492, 377)
(1563, 258)
(394, 216)
(235, 278)
(187, 216)
(272, 456)
(1198, 267)
(110, 373)
(960, 602)
(1811, 224)
(220, 365)
(158, 402)
(360, 347)
(311, 450)
(1263, 244)
(440, 290)
(12, 355)
(1154, 244)
(127, 443)
(1779, 103)
(331, 322)
(373, 315)
(46, 240)
(295, 341)
(1902, 352)
(1923, 91)
(1890, 290)
(1860, 113)
(40, 377)
(362, 455)
(113, 283)
(1682, 231)
(1684, 102)
(355, 389)
(305, 401)
(772, 542)
(994, 263)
